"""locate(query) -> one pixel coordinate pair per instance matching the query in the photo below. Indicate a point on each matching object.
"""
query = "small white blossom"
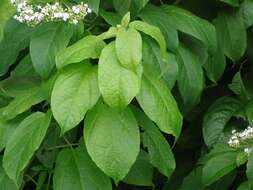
(35, 14)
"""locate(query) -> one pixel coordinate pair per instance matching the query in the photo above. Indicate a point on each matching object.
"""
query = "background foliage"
(140, 95)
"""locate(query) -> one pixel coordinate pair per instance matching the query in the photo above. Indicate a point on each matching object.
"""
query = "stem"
(62, 146)
(31, 179)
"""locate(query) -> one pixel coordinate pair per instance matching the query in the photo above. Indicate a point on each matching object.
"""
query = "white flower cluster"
(35, 14)
(243, 139)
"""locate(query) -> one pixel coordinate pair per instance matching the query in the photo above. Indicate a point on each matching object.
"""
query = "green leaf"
(193, 180)
(238, 87)
(249, 111)
(197, 27)
(137, 6)
(189, 70)
(157, 17)
(75, 170)
(112, 139)
(168, 69)
(46, 41)
(158, 103)
(5, 182)
(88, 47)
(215, 65)
(117, 84)
(75, 89)
(231, 34)
(159, 149)
(111, 18)
(7, 128)
(129, 47)
(218, 166)
(217, 117)
(233, 3)
(122, 6)
(16, 38)
(24, 142)
(6, 11)
(246, 10)
(245, 186)
(22, 103)
(141, 172)
(152, 31)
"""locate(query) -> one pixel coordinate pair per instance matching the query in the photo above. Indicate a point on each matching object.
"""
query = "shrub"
(126, 94)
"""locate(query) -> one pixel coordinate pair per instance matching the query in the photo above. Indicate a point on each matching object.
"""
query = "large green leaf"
(5, 182)
(188, 23)
(189, 70)
(117, 84)
(157, 17)
(159, 149)
(233, 3)
(75, 170)
(137, 6)
(112, 139)
(21, 103)
(6, 11)
(16, 38)
(217, 117)
(141, 172)
(24, 142)
(47, 40)
(231, 34)
(129, 47)
(167, 69)
(88, 47)
(74, 93)
(158, 103)
(218, 166)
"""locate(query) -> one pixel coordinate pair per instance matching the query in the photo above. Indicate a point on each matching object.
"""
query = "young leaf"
(112, 139)
(217, 117)
(152, 31)
(88, 47)
(158, 103)
(159, 149)
(16, 38)
(189, 70)
(117, 84)
(24, 142)
(141, 172)
(129, 47)
(74, 93)
(231, 34)
(157, 17)
(47, 40)
(75, 170)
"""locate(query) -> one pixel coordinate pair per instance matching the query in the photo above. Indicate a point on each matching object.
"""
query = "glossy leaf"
(75, 170)
(217, 117)
(159, 150)
(24, 142)
(158, 103)
(117, 84)
(112, 139)
(46, 42)
(75, 89)
(86, 48)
